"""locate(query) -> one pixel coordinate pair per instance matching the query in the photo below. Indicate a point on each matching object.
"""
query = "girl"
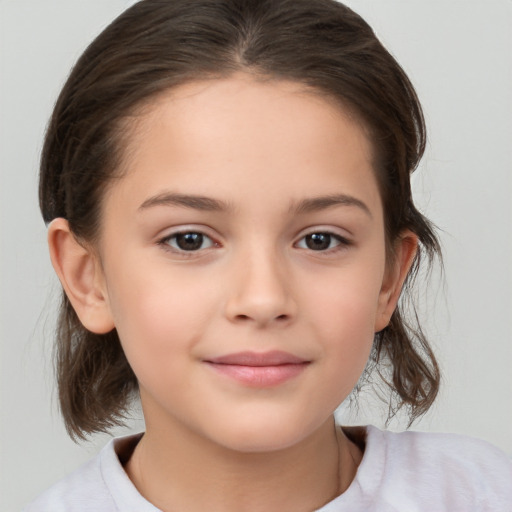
(227, 188)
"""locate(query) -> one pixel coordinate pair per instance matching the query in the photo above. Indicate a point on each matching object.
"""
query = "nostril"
(244, 318)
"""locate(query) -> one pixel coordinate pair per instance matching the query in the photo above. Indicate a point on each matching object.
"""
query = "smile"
(259, 370)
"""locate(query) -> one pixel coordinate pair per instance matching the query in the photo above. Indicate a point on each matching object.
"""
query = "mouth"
(259, 370)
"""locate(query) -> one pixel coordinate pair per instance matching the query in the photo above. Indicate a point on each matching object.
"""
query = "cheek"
(159, 316)
(344, 315)
(348, 300)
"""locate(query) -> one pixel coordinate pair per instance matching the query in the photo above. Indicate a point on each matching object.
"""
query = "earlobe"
(81, 277)
(404, 252)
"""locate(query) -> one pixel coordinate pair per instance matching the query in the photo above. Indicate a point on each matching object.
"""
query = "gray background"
(457, 53)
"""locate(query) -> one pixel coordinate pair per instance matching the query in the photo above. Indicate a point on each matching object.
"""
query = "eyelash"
(342, 242)
(166, 242)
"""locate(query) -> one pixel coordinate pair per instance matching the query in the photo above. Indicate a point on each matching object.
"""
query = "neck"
(184, 471)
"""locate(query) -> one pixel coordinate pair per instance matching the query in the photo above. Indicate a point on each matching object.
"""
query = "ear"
(81, 276)
(405, 250)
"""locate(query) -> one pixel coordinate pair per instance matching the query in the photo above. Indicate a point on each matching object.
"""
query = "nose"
(261, 292)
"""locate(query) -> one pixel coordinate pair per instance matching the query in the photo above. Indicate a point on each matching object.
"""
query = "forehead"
(241, 136)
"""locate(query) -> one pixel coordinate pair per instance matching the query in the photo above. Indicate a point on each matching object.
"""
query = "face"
(243, 260)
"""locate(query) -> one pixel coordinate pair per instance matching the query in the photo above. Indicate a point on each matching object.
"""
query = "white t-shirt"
(405, 472)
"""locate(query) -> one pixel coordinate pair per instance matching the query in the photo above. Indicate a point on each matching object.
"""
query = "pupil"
(318, 241)
(189, 241)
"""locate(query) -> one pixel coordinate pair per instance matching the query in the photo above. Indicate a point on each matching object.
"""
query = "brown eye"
(318, 241)
(322, 241)
(189, 241)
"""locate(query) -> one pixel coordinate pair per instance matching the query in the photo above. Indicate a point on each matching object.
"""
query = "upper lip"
(248, 358)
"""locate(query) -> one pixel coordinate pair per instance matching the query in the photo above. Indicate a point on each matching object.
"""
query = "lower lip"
(260, 376)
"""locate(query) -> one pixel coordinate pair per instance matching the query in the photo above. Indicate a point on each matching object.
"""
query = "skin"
(261, 148)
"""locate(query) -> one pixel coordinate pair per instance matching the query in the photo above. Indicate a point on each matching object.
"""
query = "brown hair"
(156, 45)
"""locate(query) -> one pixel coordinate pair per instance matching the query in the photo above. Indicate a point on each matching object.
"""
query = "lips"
(262, 370)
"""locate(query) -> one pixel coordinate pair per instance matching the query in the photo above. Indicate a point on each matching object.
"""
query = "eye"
(188, 241)
(321, 241)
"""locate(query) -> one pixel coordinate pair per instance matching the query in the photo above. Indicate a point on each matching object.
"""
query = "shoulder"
(100, 485)
(467, 453)
(451, 471)
(82, 490)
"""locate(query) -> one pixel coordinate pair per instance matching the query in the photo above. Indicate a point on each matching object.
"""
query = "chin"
(258, 436)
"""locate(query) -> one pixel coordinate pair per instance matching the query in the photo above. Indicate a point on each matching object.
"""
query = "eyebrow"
(209, 204)
(324, 202)
(187, 201)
